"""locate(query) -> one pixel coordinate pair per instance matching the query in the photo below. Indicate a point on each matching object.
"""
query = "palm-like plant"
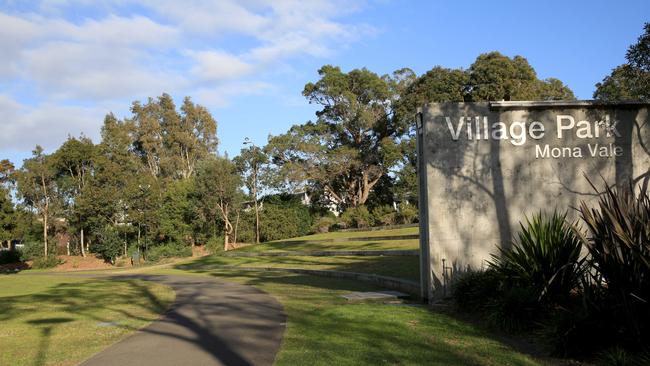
(619, 246)
(546, 258)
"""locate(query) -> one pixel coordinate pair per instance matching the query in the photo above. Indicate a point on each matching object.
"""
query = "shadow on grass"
(403, 267)
(324, 324)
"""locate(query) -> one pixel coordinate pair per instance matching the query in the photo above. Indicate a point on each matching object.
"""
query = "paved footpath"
(211, 323)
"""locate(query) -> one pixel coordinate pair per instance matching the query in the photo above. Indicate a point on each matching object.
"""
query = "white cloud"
(23, 127)
(63, 54)
(218, 65)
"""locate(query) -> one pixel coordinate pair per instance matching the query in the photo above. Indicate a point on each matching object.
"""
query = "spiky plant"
(618, 241)
(545, 257)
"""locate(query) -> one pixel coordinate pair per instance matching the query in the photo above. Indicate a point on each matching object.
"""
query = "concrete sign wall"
(484, 166)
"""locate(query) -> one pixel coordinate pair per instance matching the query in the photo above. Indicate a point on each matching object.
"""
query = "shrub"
(168, 250)
(50, 261)
(546, 258)
(473, 291)
(32, 250)
(10, 256)
(109, 245)
(618, 242)
(358, 217)
(281, 221)
(323, 224)
(407, 214)
(383, 215)
(215, 245)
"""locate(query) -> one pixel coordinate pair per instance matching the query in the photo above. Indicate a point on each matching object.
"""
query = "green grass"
(56, 320)
(401, 267)
(325, 329)
(407, 244)
(358, 234)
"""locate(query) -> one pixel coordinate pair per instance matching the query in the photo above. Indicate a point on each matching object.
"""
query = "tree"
(171, 143)
(218, 186)
(494, 76)
(354, 141)
(630, 81)
(250, 163)
(7, 213)
(74, 164)
(37, 189)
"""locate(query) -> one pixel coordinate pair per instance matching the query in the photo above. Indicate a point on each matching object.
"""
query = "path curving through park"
(212, 322)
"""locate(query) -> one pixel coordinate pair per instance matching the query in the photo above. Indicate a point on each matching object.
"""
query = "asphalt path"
(212, 322)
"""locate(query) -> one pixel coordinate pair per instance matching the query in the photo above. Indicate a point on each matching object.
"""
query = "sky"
(65, 64)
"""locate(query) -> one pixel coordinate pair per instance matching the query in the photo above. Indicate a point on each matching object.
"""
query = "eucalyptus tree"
(74, 163)
(7, 211)
(353, 143)
(218, 184)
(252, 162)
(37, 189)
(170, 143)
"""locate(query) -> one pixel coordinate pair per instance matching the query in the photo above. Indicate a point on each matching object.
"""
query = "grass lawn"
(407, 244)
(324, 329)
(357, 234)
(401, 267)
(57, 320)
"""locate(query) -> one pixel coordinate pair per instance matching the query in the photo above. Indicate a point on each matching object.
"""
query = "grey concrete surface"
(211, 323)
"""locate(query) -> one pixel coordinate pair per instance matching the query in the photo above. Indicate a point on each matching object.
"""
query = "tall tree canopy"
(353, 142)
(630, 81)
(171, 143)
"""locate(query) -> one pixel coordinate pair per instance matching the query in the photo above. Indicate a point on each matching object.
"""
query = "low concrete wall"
(391, 283)
(377, 228)
(328, 253)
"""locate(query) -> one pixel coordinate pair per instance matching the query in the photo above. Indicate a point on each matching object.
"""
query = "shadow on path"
(210, 323)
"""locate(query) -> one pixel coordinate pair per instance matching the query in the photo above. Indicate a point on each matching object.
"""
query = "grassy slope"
(400, 267)
(310, 242)
(55, 320)
(324, 329)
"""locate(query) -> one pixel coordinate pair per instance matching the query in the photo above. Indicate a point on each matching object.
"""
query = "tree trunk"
(257, 211)
(236, 227)
(45, 234)
(83, 250)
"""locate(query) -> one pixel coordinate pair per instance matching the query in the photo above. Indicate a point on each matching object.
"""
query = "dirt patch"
(77, 263)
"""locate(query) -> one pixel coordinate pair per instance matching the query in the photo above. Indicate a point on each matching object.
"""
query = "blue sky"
(65, 63)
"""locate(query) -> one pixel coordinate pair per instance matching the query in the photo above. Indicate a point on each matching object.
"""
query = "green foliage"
(357, 217)
(50, 261)
(10, 256)
(109, 244)
(215, 245)
(515, 309)
(282, 221)
(323, 224)
(618, 241)
(31, 250)
(546, 259)
(168, 250)
(473, 291)
(383, 215)
(630, 81)
(407, 214)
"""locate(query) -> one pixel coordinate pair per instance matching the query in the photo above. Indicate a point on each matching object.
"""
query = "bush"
(168, 250)
(50, 261)
(515, 309)
(323, 224)
(384, 215)
(475, 290)
(546, 258)
(358, 217)
(215, 245)
(32, 250)
(284, 220)
(407, 214)
(10, 256)
(619, 245)
(109, 245)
